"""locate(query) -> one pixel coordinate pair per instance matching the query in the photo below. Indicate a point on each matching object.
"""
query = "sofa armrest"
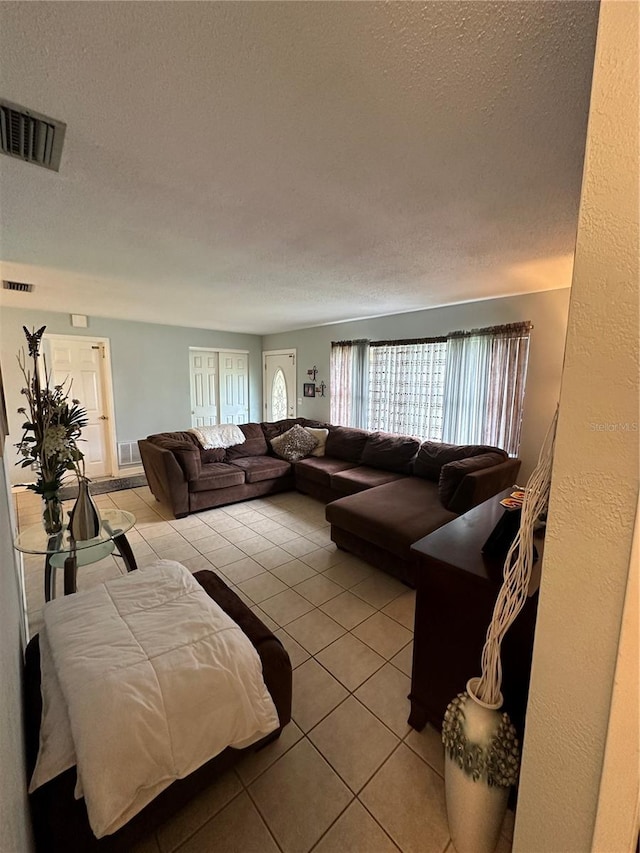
(479, 486)
(167, 479)
(187, 455)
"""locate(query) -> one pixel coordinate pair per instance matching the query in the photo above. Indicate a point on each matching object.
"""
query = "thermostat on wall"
(80, 321)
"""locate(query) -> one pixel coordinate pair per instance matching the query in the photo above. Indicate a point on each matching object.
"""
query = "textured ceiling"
(260, 167)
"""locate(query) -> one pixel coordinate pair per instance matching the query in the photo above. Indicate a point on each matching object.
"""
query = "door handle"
(103, 418)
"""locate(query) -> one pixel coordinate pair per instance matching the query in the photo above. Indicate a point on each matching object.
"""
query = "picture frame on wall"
(309, 389)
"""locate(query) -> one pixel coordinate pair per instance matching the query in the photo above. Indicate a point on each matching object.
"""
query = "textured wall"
(595, 476)
(15, 828)
(548, 311)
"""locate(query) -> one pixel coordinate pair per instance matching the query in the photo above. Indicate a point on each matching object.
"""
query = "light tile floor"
(348, 773)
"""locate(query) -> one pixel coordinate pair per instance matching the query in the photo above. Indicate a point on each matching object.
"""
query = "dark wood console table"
(456, 591)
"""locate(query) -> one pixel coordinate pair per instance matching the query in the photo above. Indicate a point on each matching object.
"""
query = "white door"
(234, 387)
(204, 387)
(279, 388)
(83, 362)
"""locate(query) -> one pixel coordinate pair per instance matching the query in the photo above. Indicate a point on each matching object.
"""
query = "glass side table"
(61, 551)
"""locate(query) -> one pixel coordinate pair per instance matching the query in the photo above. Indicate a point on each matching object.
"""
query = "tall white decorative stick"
(517, 571)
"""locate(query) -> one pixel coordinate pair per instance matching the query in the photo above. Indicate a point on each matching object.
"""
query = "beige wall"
(15, 831)
(595, 478)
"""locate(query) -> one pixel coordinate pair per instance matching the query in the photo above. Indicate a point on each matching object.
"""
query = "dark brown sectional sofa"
(383, 491)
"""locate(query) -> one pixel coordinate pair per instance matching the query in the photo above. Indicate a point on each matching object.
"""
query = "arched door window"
(279, 396)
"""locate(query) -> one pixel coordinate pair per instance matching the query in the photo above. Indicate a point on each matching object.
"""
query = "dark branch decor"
(49, 440)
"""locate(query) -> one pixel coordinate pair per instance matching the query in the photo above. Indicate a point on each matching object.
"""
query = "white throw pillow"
(321, 436)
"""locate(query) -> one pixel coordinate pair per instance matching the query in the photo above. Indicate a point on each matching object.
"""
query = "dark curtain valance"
(509, 329)
(409, 342)
(349, 343)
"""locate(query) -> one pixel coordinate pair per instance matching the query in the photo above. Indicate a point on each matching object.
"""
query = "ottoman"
(60, 821)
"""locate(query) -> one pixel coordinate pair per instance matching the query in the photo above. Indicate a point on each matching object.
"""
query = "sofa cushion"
(434, 454)
(320, 470)
(294, 444)
(346, 443)
(160, 438)
(393, 516)
(217, 475)
(321, 435)
(390, 452)
(452, 474)
(271, 429)
(254, 443)
(360, 478)
(257, 468)
(216, 454)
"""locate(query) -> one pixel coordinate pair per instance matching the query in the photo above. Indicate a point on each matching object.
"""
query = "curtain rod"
(505, 329)
(409, 342)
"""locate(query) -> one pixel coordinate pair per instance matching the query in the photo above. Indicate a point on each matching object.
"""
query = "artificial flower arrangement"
(51, 432)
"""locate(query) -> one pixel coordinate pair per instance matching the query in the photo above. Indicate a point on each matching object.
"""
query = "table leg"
(70, 573)
(125, 552)
(49, 579)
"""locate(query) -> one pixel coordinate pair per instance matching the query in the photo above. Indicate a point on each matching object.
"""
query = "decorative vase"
(481, 764)
(52, 514)
(84, 519)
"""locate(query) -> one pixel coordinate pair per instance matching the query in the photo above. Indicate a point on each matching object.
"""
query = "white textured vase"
(475, 809)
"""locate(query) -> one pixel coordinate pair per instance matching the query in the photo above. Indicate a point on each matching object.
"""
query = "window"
(465, 388)
(406, 387)
(278, 396)
(350, 383)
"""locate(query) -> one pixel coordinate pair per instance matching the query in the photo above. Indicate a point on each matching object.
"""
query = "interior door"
(279, 388)
(82, 361)
(203, 369)
(234, 387)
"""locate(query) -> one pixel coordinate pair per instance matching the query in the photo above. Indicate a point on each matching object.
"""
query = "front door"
(83, 362)
(234, 387)
(279, 388)
(203, 367)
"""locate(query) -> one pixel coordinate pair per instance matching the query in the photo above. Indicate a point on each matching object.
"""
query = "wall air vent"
(128, 454)
(17, 286)
(31, 136)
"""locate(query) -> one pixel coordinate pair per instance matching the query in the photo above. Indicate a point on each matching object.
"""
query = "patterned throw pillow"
(294, 444)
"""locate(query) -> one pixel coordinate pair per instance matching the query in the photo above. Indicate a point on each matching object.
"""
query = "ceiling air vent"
(17, 286)
(31, 136)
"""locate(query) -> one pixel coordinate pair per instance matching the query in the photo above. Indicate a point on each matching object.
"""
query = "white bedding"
(156, 680)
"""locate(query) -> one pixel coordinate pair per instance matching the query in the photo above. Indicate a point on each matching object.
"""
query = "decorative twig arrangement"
(517, 571)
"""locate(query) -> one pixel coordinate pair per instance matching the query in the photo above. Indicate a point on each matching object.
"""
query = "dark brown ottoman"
(60, 822)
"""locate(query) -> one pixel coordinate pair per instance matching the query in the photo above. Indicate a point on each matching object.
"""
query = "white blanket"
(219, 436)
(157, 680)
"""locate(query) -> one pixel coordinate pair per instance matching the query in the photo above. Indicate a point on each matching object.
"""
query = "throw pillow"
(453, 473)
(321, 436)
(294, 444)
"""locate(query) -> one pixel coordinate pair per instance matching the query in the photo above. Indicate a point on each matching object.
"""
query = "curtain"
(465, 388)
(349, 383)
(484, 386)
(406, 381)
(505, 399)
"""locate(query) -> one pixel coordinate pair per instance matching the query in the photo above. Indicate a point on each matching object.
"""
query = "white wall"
(15, 828)
(547, 311)
(595, 479)
(150, 366)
